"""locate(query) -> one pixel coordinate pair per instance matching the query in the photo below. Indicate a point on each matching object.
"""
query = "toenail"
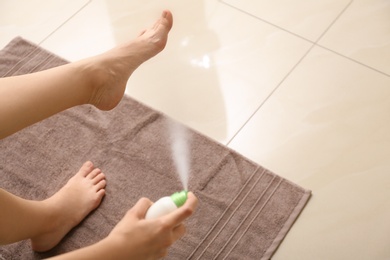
(88, 164)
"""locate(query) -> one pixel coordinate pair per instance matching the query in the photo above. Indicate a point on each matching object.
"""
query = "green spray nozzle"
(179, 198)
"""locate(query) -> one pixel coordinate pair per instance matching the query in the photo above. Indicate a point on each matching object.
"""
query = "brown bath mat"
(244, 210)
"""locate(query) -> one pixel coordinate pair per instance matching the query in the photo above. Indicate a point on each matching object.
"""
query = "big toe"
(167, 19)
(86, 168)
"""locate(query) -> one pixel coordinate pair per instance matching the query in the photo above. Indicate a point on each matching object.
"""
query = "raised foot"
(112, 69)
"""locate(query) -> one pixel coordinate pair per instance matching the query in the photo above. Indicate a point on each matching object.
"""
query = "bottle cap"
(179, 198)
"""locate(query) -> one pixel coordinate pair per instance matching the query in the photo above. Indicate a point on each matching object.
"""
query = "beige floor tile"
(363, 34)
(208, 77)
(327, 128)
(306, 18)
(34, 19)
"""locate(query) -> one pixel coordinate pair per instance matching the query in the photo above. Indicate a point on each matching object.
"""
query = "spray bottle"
(166, 205)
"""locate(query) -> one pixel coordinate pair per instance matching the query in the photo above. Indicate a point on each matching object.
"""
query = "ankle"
(90, 74)
(51, 215)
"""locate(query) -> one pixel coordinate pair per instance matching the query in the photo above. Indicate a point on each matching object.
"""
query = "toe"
(165, 21)
(99, 177)
(86, 168)
(100, 194)
(169, 18)
(93, 174)
(100, 185)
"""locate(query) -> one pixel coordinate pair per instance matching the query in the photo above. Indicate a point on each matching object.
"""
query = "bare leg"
(100, 80)
(47, 222)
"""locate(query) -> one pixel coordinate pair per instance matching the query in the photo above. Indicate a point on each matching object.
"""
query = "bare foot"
(112, 69)
(70, 205)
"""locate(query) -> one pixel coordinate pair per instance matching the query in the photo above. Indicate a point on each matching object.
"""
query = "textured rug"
(244, 212)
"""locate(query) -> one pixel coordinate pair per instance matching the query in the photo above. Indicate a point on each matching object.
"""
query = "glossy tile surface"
(328, 129)
(301, 87)
(34, 19)
(212, 54)
(306, 18)
(362, 33)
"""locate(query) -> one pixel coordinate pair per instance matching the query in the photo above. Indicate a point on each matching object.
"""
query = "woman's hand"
(150, 239)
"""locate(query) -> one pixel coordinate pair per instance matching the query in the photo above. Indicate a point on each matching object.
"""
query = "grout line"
(284, 78)
(272, 92)
(265, 21)
(353, 60)
(340, 54)
(334, 21)
(300, 60)
(314, 42)
(73, 15)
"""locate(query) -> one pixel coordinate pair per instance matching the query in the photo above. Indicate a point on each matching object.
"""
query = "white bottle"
(166, 205)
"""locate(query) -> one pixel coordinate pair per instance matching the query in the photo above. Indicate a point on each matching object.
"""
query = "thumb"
(140, 208)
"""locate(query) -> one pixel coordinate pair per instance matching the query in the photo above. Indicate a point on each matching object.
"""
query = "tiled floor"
(301, 87)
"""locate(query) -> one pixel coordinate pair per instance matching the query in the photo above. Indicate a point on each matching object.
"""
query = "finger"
(193, 199)
(140, 208)
(179, 215)
(179, 231)
(163, 253)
